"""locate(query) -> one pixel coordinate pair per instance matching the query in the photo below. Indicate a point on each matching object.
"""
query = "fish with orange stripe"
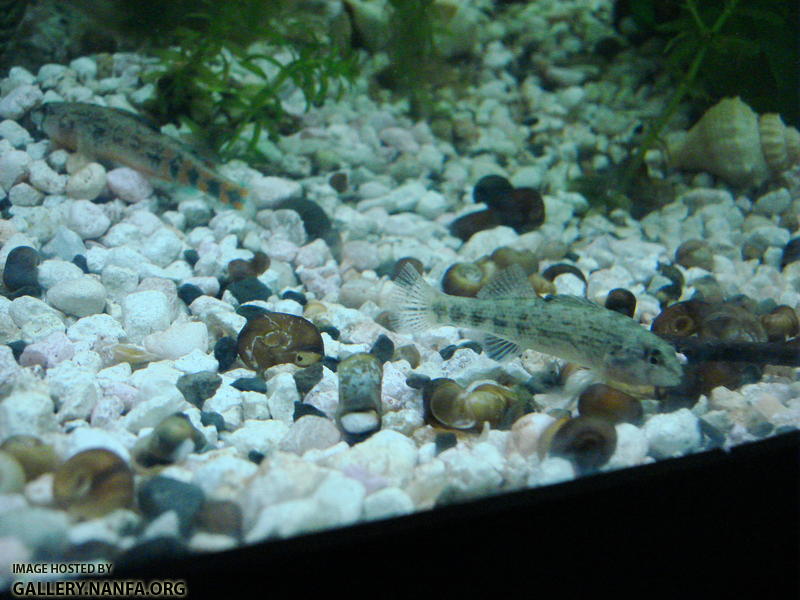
(113, 134)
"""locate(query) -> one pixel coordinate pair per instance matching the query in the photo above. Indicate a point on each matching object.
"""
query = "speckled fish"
(118, 135)
(568, 327)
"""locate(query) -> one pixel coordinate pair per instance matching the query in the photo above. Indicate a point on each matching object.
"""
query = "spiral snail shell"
(731, 141)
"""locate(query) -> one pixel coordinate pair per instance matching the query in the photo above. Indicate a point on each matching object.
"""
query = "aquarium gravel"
(113, 319)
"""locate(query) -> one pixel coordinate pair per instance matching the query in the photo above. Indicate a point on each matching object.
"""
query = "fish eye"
(654, 357)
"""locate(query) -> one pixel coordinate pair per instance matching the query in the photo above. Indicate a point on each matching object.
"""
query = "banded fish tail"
(412, 301)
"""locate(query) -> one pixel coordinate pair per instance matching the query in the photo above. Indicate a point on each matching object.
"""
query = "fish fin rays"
(498, 348)
(511, 282)
(411, 301)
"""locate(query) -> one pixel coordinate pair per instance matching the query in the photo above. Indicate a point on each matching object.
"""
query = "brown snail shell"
(731, 322)
(33, 454)
(170, 441)
(553, 271)
(588, 442)
(358, 414)
(601, 400)
(464, 279)
(489, 403)
(276, 338)
(504, 257)
(731, 141)
(621, 300)
(780, 323)
(93, 483)
(681, 319)
(443, 401)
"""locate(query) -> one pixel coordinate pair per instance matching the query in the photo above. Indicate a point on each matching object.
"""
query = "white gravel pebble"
(43, 178)
(86, 219)
(23, 194)
(80, 296)
(87, 182)
(19, 101)
(178, 340)
(673, 434)
(14, 167)
(15, 134)
(145, 312)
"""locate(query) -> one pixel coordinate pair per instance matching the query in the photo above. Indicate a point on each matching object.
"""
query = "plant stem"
(655, 131)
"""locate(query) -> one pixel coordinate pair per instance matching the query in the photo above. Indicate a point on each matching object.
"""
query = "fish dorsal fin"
(511, 282)
(498, 348)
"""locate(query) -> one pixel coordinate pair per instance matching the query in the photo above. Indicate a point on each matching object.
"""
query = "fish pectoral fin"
(511, 282)
(498, 348)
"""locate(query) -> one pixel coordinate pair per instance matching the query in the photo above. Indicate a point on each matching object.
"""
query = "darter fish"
(112, 134)
(568, 327)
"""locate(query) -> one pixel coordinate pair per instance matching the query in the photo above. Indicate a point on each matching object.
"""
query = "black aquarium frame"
(699, 526)
(694, 526)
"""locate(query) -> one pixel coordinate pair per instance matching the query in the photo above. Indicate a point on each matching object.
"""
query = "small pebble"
(225, 351)
(212, 418)
(250, 384)
(248, 289)
(129, 185)
(79, 297)
(20, 272)
(189, 293)
(161, 494)
(198, 387)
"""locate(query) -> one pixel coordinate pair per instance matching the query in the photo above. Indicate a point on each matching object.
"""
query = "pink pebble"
(129, 185)
(48, 352)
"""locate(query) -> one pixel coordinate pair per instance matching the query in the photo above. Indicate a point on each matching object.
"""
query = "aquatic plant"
(228, 66)
(712, 44)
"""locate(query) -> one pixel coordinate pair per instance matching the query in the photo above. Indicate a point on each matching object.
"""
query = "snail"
(170, 441)
(274, 338)
(601, 400)
(33, 455)
(587, 442)
(358, 414)
(731, 141)
(93, 483)
(464, 279)
(449, 404)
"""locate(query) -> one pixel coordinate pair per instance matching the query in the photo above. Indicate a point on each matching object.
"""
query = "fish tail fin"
(412, 301)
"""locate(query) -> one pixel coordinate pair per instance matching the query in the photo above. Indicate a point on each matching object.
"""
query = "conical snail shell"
(731, 141)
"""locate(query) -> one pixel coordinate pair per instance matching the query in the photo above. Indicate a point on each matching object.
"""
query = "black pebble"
(494, 191)
(198, 387)
(315, 220)
(191, 256)
(255, 456)
(417, 381)
(21, 273)
(161, 494)
(17, 347)
(209, 417)
(791, 252)
(301, 410)
(189, 292)
(225, 352)
(296, 296)
(80, 261)
(249, 288)
(331, 331)
(307, 378)
(447, 352)
(330, 362)
(250, 384)
(383, 348)
(443, 441)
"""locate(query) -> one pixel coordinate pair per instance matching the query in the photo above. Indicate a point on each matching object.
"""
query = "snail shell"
(444, 401)
(731, 141)
(464, 279)
(275, 338)
(33, 454)
(170, 441)
(93, 483)
(358, 414)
